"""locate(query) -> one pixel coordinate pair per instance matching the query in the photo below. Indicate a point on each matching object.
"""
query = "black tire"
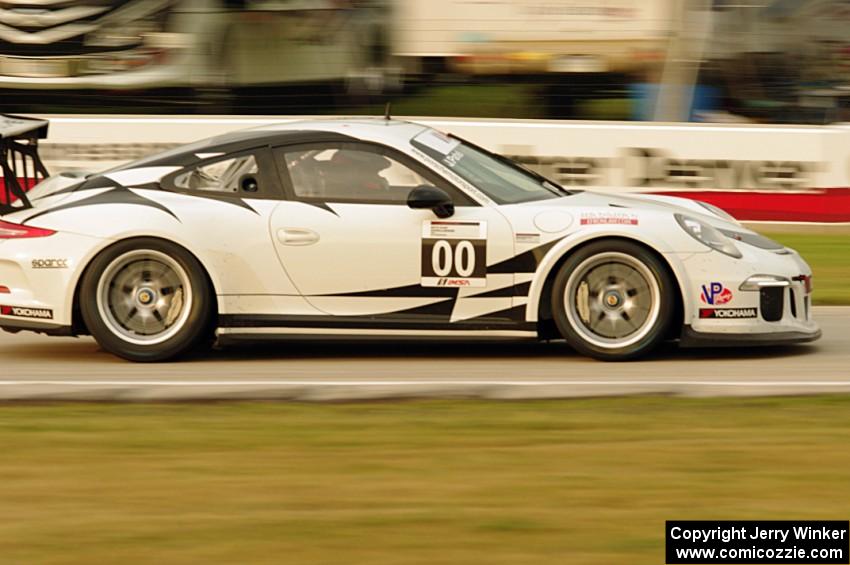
(114, 302)
(613, 317)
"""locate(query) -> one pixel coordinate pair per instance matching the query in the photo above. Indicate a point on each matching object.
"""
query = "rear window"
(220, 176)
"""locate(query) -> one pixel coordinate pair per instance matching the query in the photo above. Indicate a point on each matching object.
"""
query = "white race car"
(377, 228)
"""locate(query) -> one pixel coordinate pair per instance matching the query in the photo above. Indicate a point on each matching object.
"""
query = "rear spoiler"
(21, 165)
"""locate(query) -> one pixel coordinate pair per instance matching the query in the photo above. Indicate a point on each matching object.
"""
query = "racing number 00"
(454, 253)
(459, 261)
(454, 259)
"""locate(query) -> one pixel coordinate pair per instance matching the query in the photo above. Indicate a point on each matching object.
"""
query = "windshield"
(498, 177)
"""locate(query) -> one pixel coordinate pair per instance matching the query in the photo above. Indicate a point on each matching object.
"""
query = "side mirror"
(248, 183)
(432, 198)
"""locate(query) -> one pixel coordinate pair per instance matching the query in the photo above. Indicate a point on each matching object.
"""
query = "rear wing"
(21, 166)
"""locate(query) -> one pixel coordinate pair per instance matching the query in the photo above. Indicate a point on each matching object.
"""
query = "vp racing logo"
(21, 312)
(715, 294)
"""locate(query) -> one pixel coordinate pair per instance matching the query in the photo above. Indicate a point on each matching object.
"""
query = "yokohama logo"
(41, 313)
(726, 313)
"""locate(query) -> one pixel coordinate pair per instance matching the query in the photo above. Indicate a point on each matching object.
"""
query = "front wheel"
(146, 300)
(613, 300)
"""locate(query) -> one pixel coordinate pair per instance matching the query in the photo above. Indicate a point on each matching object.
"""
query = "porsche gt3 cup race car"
(376, 228)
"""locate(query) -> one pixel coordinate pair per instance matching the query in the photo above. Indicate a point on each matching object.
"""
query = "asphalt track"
(34, 367)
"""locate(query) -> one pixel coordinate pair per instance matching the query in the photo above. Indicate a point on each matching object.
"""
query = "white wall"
(621, 155)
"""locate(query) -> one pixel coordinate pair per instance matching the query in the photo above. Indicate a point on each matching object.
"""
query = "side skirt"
(262, 326)
(236, 335)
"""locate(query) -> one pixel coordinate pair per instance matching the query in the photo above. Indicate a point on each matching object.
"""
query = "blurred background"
(443, 481)
(776, 61)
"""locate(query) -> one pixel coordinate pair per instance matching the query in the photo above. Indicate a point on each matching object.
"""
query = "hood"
(646, 202)
(593, 201)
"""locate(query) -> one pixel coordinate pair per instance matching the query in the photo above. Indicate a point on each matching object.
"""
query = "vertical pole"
(692, 28)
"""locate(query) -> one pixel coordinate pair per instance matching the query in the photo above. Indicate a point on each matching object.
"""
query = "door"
(353, 247)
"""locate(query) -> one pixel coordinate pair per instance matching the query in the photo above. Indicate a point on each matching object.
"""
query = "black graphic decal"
(509, 319)
(526, 262)
(118, 195)
(147, 186)
(514, 314)
(410, 291)
(323, 206)
(509, 291)
(91, 184)
(438, 311)
(224, 199)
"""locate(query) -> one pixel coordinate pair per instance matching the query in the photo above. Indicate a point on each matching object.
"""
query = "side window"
(350, 172)
(227, 176)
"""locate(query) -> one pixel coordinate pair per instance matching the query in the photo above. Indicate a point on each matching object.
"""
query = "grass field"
(829, 257)
(583, 481)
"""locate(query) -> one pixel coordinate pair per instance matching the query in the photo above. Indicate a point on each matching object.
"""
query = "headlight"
(758, 282)
(708, 235)
(719, 212)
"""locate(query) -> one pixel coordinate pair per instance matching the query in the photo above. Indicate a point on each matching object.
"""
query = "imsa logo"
(20, 312)
(454, 282)
(728, 313)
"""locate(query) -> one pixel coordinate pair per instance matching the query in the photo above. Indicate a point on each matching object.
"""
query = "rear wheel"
(146, 300)
(612, 300)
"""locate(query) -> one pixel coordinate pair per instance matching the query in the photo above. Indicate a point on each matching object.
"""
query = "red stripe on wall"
(828, 205)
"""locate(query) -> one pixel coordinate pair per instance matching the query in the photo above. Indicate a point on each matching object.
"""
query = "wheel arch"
(77, 324)
(538, 307)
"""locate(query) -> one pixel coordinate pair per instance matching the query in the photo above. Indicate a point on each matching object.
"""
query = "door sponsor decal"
(728, 313)
(715, 294)
(528, 238)
(604, 218)
(454, 253)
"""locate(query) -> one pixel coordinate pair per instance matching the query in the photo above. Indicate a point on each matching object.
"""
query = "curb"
(299, 391)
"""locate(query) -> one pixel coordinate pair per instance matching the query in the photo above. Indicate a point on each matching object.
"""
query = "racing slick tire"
(613, 300)
(147, 300)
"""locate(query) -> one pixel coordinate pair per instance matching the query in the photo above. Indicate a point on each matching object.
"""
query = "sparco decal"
(21, 312)
(715, 294)
(49, 263)
(727, 313)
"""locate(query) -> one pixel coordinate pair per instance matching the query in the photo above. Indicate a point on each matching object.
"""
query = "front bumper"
(15, 326)
(692, 338)
(761, 299)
